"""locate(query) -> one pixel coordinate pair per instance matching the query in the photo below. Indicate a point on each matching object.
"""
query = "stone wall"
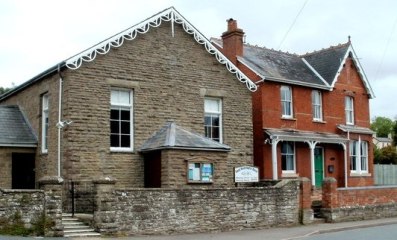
(357, 203)
(35, 207)
(167, 211)
(29, 204)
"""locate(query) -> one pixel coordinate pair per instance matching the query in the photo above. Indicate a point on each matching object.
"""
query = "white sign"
(246, 174)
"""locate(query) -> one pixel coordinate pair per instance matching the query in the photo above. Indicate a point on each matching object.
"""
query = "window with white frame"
(349, 110)
(358, 156)
(317, 105)
(121, 120)
(44, 123)
(288, 157)
(286, 101)
(353, 155)
(200, 172)
(364, 156)
(213, 118)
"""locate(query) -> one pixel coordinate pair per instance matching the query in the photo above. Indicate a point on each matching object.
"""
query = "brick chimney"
(233, 41)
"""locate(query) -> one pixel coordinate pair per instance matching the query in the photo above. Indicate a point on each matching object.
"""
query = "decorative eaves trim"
(168, 15)
(359, 68)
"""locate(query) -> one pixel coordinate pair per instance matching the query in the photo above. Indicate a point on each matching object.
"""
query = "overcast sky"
(35, 35)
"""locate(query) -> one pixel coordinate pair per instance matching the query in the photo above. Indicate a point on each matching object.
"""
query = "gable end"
(168, 15)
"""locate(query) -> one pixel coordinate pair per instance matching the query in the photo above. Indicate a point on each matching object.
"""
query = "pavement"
(279, 233)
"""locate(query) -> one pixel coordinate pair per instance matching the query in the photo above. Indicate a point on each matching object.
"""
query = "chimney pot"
(231, 25)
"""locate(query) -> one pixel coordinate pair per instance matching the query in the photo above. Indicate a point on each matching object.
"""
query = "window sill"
(319, 121)
(288, 118)
(121, 150)
(289, 175)
(199, 182)
(363, 174)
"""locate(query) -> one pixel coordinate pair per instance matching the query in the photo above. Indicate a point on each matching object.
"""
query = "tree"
(394, 133)
(4, 90)
(382, 126)
(386, 155)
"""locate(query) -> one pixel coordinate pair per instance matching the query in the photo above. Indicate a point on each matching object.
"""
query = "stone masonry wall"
(170, 76)
(174, 168)
(360, 203)
(34, 206)
(29, 204)
(166, 211)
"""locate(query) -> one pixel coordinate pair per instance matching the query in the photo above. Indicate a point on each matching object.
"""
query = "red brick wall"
(360, 196)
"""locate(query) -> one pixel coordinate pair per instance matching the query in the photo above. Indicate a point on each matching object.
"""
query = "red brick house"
(156, 105)
(310, 112)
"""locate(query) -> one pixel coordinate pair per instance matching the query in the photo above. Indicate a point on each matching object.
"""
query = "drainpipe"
(59, 120)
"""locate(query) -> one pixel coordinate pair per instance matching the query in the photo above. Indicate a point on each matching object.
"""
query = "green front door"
(318, 166)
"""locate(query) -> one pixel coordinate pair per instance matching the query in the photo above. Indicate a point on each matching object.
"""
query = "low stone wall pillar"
(104, 211)
(306, 211)
(330, 199)
(52, 187)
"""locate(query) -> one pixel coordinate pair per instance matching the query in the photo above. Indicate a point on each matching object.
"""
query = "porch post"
(312, 145)
(274, 158)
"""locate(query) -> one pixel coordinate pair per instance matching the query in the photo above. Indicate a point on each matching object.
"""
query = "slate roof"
(327, 62)
(296, 135)
(171, 136)
(318, 69)
(15, 130)
(278, 65)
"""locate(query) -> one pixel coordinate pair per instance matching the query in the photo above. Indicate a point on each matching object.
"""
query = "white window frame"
(217, 113)
(118, 106)
(353, 154)
(360, 158)
(44, 122)
(286, 102)
(364, 156)
(288, 154)
(317, 107)
(349, 110)
(200, 174)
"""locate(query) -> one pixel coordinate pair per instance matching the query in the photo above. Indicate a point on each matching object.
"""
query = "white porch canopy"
(311, 138)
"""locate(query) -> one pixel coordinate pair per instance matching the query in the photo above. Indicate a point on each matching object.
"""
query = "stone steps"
(73, 227)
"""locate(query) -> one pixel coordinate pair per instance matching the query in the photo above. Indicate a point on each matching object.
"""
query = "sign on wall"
(246, 174)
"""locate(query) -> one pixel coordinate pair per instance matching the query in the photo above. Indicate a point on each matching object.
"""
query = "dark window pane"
(125, 127)
(114, 114)
(215, 121)
(284, 162)
(215, 132)
(114, 140)
(114, 127)
(125, 141)
(125, 115)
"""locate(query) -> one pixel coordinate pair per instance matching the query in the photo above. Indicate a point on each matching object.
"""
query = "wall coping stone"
(50, 180)
(104, 180)
(21, 190)
(330, 180)
(368, 187)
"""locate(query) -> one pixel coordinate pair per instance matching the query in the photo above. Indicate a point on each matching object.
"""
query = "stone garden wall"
(34, 208)
(167, 211)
